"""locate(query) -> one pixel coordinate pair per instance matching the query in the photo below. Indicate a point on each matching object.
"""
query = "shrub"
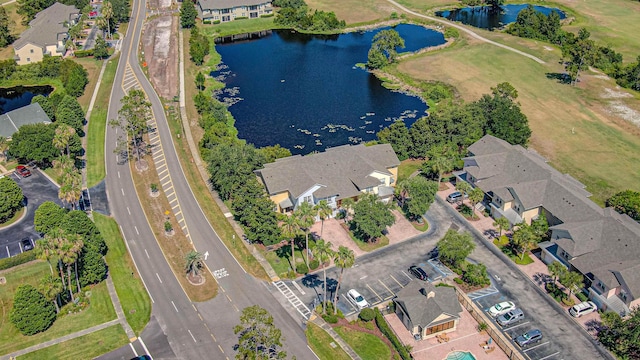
(167, 226)
(330, 318)
(314, 264)
(476, 274)
(582, 296)
(266, 15)
(568, 301)
(443, 285)
(31, 312)
(482, 326)
(394, 15)
(458, 280)
(367, 314)
(450, 32)
(465, 210)
(83, 53)
(216, 21)
(302, 268)
(207, 21)
(241, 18)
(386, 330)
(19, 259)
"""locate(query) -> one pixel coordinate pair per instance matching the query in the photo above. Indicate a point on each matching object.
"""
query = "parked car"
(27, 244)
(418, 272)
(359, 300)
(583, 308)
(530, 337)
(501, 308)
(456, 196)
(23, 171)
(511, 317)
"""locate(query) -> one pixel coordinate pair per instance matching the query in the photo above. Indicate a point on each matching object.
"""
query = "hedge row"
(386, 330)
(83, 53)
(19, 259)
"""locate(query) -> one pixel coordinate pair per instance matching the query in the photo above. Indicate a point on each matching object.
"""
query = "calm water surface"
(305, 93)
(482, 17)
(19, 96)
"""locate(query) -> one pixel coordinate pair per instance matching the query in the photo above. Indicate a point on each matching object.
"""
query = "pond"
(19, 96)
(483, 17)
(306, 93)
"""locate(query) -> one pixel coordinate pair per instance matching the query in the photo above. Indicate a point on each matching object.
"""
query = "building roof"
(228, 4)
(11, 121)
(46, 27)
(342, 171)
(422, 308)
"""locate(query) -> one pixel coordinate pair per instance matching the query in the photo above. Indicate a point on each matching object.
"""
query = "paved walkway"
(60, 340)
(468, 31)
(118, 307)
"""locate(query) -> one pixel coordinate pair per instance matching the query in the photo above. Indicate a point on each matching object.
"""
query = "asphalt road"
(379, 275)
(36, 189)
(193, 330)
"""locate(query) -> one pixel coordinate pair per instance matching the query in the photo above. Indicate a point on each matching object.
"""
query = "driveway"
(37, 189)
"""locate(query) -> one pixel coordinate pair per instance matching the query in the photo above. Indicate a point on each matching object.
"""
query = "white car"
(583, 308)
(359, 300)
(501, 308)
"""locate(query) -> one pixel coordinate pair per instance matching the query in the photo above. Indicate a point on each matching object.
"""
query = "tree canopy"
(454, 247)
(258, 337)
(231, 165)
(199, 46)
(11, 198)
(32, 312)
(48, 215)
(371, 217)
(421, 194)
(69, 111)
(6, 37)
(46, 105)
(620, 335)
(188, 14)
(626, 202)
(383, 48)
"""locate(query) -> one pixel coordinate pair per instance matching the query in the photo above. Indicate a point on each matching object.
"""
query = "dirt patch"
(160, 44)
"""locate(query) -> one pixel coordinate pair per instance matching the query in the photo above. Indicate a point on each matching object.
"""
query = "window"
(253, 15)
(28, 59)
(253, 7)
(601, 285)
(382, 181)
(391, 181)
(308, 199)
(441, 327)
(623, 295)
(31, 51)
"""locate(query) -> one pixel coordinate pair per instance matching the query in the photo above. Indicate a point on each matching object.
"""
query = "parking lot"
(543, 350)
(37, 189)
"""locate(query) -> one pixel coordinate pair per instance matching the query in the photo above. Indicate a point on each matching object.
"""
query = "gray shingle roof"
(11, 121)
(48, 24)
(342, 171)
(422, 310)
(228, 4)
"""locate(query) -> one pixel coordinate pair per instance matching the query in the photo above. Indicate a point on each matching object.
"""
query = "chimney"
(429, 294)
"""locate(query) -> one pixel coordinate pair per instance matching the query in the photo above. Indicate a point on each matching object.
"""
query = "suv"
(455, 197)
(530, 337)
(418, 272)
(23, 171)
(27, 244)
(511, 317)
(583, 308)
(354, 296)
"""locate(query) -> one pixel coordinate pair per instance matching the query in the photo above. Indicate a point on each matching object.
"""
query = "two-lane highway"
(203, 330)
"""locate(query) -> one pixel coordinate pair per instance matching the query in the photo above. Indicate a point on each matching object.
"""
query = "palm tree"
(557, 270)
(324, 211)
(502, 223)
(71, 187)
(572, 280)
(290, 229)
(402, 190)
(107, 13)
(441, 159)
(193, 263)
(45, 250)
(475, 196)
(62, 137)
(306, 218)
(55, 238)
(4, 145)
(344, 258)
(347, 205)
(463, 187)
(51, 287)
(324, 252)
(524, 238)
(68, 247)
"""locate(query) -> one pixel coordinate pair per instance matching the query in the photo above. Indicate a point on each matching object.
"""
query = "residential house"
(336, 174)
(600, 243)
(47, 34)
(426, 310)
(11, 121)
(229, 10)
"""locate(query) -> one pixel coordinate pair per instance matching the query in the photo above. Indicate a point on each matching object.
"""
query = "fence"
(496, 335)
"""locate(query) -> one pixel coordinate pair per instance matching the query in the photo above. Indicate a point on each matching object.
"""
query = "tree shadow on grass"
(562, 78)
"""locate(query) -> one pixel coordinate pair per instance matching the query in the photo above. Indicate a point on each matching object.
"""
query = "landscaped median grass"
(99, 311)
(84, 347)
(320, 343)
(98, 126)
(133, 296)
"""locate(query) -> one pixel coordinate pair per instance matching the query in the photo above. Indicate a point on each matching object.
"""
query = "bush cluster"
(19, 259)
(367, 314)
(386, 330)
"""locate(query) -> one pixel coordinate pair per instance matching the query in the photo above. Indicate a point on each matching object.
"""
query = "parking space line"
(405, 274)
(533, 347)
(396, 280)
(166, 176)
(162, 172)
(383, 284)
(514, 326)
(8, 253)
(374, 292)
(349, 302)
(548, 356)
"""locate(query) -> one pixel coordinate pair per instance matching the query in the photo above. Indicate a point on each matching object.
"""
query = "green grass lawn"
(320, 341)
(97, 127)
(503, 244)
(133, 296)
(238, 27)
(368, 346)
(84, 347)
(280, 258)
(408, 167)
(99, 311)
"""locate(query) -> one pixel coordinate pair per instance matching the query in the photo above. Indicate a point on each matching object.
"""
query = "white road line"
(159, 278)
(174, 306)
(118, 174)
(145, 251)
(533, 347)
(515, 326)
(383, 284)
(194, 339)
(121, 189)
(136, 228)
(144, 346)
(374, 292)
(8, 253)
(129, 211)
(133, 349)
(363, 277)
(396, 280)
(548, 356)
(348, 302)
(405, 274)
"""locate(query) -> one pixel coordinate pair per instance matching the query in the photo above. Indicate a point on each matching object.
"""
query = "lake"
(305, 92)
(483, 17)
(19, 96)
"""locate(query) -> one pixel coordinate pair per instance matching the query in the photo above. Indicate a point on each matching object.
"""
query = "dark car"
(142, 357)
(23, 171)
(27, 244)
(418, 272)
(528, 338)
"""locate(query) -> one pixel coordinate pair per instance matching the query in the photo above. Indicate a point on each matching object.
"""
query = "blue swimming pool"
(460, 355)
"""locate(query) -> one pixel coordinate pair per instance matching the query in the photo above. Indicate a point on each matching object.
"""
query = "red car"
(23, 171)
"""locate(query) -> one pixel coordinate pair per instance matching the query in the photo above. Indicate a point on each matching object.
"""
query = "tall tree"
(101, 49)
(71, 188)
(323, 211)
(188, 14)
(107, 13)
(475, 196)
(347, 205)
(344, 258)
(371, 217)
(63, 135)
(133, 117)
(68, 247)
(621, 336)
(502, 223)
(397, 134)
(34, 142)
(258, 337)
(626, 202)
(51, 286)
(578, 54)
(421, 194)
(46, 105)
(572, 280)
(290, 229)
(5, 33)
(324, 253)
(463, 187)
(4, 145)
(70, 112)
(383, 49)
(557, 270)
(454, 247)
(441, 159)
(199, 80)
(29, 8)
(11, 199)
(48, 216)
(524, 239)
(305, 216)
(45, 250)
(31, 312)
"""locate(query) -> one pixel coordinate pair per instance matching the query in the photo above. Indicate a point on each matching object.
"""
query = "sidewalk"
(118, 307)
